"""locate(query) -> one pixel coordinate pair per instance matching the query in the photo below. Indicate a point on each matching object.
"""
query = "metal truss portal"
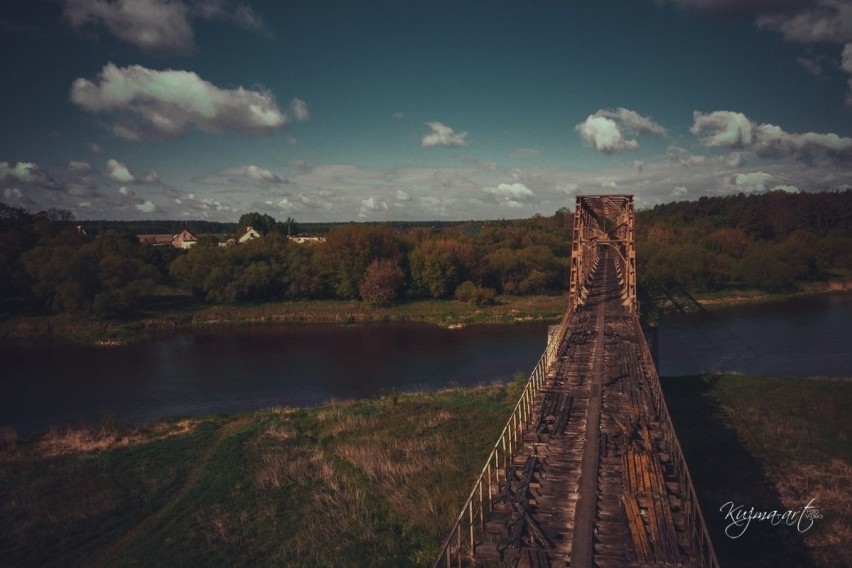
(603, 220)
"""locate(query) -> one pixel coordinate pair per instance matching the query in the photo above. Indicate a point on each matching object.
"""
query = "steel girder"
(603, 220)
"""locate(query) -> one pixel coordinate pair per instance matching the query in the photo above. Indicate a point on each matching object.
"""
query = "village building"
(183, 240)
(306, 239)
(249, 235)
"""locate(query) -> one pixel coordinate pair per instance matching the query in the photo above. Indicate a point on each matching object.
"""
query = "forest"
(50, 263)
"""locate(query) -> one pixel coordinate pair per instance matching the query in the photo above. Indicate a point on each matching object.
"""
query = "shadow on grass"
(723, 471)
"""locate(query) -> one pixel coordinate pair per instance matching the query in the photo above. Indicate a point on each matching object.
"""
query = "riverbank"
(378, 482)
(735, 297)
(182, 313)
(170, 312)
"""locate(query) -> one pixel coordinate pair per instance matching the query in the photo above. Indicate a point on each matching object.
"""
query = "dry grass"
(88, 439)
(787, 429)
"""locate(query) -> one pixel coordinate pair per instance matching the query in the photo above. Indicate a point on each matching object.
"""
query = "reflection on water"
(237, 369)
(797, 338)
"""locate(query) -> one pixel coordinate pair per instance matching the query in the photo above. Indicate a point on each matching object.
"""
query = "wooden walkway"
(592, 474)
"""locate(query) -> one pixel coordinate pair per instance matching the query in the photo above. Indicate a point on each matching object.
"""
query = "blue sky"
(385, 110)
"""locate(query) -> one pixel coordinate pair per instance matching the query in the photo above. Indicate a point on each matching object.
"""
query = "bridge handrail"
(706, 552)
(506, 443)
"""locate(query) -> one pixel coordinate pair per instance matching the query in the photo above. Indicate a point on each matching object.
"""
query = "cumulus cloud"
(146, 207)
(819, 21)
(157, 26)
(751, 182)
(443, 135)
(27, 173)
(242, 175)
(118, 172)
(146, 103)
(633, 120)
(728, 129)
(722, 128)
(372, 205)
(604, 135)
(511, 194)
(607, 131)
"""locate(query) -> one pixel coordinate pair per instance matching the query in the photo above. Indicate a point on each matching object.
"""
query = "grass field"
(379, 482)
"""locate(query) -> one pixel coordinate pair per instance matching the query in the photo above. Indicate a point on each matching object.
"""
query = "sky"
(333, 110)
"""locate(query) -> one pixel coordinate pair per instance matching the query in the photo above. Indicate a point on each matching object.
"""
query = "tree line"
(765, 241)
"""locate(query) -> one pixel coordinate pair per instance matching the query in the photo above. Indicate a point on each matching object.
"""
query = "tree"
(438, 266)
(382, 282)
(260, 222)
(350, 249)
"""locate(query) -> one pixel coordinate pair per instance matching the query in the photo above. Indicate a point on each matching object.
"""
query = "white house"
(249, 235)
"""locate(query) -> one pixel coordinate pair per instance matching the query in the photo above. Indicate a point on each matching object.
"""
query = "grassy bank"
(172, 313)
(378, 482)
(771, 444)
(366, 483)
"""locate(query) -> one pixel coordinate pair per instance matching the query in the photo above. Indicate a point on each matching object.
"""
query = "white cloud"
(146, 103)
(299, 110)
(751, 182)
(819, 21)
(633, 120)
(27, 173)
(245, 175)
(372, 205)
(786, 188)
(146, 207)
(118, 172)
(443, 135)
(152, 25)
(611, 131)
(679, 191)
(604, 135)
(734, 130)
(722, 128)
(157, 26)
(513, 191)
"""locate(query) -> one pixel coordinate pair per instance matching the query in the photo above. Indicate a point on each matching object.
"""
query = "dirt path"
(103, 557)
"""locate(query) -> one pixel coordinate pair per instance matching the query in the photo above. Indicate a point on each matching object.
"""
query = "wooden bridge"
(588, 470)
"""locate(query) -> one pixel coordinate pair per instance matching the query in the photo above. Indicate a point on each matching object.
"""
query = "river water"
(241, 369)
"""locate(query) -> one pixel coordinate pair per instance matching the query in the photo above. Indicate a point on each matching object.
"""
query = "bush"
(469, 292)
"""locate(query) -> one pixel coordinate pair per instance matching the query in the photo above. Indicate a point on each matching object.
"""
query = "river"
(241, 369)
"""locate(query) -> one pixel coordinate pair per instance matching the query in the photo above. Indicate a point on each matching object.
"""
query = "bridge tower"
(603, 220)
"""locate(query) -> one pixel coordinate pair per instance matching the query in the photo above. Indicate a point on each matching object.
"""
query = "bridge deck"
(595, 484)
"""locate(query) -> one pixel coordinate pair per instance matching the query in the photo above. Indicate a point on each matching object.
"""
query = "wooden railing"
(459, 546)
